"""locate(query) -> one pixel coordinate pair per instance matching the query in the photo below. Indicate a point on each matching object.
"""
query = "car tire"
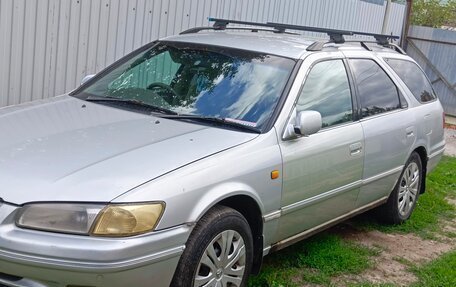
(204, 258)
(404, 197)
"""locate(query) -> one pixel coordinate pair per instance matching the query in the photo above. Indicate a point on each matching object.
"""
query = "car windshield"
(238, 86)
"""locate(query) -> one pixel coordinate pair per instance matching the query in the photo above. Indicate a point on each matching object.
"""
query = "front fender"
(192, 190)
(221, 192)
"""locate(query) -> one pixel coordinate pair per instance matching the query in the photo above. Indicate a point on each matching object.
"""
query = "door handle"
(356, 148)
(409, 132)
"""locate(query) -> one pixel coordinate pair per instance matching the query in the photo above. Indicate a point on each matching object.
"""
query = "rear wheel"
(403, 199)
(218, 253)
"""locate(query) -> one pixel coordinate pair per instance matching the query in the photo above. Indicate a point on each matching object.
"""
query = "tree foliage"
(434, 13)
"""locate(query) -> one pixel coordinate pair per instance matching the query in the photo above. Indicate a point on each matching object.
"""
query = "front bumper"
(31, 258)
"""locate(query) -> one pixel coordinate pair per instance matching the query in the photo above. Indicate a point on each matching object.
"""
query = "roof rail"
(336, 36)
(381, 39)
(221, 24)
(398, 48)
(319, 45)
(388, 45)
(252, 29)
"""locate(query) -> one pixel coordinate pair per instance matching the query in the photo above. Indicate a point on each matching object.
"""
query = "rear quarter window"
(415, 79)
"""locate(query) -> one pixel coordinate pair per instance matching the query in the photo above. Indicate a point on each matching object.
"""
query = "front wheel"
(219, 252)
(403, 199)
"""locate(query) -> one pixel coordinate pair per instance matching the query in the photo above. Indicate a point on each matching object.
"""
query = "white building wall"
(48, 46)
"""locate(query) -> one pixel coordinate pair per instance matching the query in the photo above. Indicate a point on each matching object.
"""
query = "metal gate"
(48, 46)
(435, 50)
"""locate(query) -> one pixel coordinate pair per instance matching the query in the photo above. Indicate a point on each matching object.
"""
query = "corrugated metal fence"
(48, 46)
(435, 51)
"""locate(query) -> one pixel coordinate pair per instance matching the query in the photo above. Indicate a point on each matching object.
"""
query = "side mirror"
(86, 78)
(307, 123)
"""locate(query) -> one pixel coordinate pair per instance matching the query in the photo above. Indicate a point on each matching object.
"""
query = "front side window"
(200, 81)
(327, 91)
(414, 78)
(377, 92)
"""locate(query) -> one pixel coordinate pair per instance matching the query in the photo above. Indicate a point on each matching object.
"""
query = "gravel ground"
(450, 138)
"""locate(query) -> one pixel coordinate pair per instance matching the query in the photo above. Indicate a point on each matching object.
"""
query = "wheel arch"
(422, 152)
(249, 205)
(249, 208)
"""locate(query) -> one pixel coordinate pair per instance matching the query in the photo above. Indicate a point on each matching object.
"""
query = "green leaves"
(433, 13)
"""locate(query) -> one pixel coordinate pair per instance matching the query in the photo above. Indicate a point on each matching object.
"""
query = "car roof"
(280, 44)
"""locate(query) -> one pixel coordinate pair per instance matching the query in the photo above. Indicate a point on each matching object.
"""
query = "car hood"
(66, 149)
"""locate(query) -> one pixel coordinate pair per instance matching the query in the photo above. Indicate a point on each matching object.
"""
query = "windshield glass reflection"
(213, 82)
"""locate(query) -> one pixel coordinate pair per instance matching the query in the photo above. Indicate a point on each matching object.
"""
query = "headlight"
(91, 219)
(127, 220)
(69, 218)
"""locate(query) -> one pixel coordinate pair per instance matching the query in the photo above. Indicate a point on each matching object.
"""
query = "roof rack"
(252, 29)
(221, 24)
(335, 36)
(319, 45)
(381, 39)
(388, 45)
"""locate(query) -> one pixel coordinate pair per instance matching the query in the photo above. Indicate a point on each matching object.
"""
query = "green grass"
(438, 273)
(371, 285)
(431, 207)
(315, 260)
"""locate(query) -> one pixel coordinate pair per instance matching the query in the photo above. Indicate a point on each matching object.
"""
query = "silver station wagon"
(188, 160)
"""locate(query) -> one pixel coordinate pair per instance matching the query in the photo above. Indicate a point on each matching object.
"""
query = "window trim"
(352, 92)
(283, 97)
(401, 107)
(408, 88)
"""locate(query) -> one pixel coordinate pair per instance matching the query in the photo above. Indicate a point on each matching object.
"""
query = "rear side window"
(414, 78)
(327, 91)
(377, 92)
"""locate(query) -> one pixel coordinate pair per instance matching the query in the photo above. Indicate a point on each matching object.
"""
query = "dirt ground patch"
(450, 138)
(397, 252)
(390, 266)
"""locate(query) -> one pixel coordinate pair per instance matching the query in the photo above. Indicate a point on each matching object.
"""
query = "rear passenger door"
(388, 127)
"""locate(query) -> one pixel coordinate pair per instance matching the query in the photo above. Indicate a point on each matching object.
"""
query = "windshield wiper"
(169, 114)
(215, 120)
(131, 102)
